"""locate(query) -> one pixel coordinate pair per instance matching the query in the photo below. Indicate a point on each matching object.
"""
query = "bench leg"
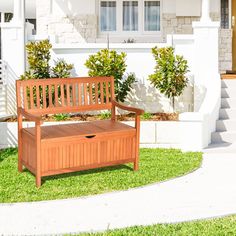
(136, 165)
(38, 181)
(20, 166)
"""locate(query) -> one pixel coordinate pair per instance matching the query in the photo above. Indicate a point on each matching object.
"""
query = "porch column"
(2, 17)
(205, 11)
(17, 11)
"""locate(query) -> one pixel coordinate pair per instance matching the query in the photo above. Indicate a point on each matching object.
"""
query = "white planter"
(153, 133)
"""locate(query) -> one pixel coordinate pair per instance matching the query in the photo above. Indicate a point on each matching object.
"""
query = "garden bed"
(106, 115)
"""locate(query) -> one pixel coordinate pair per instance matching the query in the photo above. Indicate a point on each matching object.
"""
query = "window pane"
(108, 16)
(152, 16)
(225, 14)
(130, 15)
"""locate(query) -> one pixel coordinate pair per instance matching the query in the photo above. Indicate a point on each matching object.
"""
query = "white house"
(140, 21)
(202, 30)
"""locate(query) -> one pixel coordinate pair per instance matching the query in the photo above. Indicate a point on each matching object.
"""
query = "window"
(108, 16)
(134, 17)
(225, 14)
(152, 15)
(130, 15)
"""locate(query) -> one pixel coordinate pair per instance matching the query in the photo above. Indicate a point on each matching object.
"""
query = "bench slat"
(101, 93)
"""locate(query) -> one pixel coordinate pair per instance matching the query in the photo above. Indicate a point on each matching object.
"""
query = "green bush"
(170, 72)
(105, 115)
(38, 55)
(61, 116)
(146, 116)
(110, 63)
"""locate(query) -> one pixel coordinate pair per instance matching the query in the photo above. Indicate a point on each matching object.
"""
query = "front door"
(234, 32)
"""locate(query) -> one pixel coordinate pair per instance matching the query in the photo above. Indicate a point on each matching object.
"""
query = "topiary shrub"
(110, 63)
(170, 73)
(38, 55)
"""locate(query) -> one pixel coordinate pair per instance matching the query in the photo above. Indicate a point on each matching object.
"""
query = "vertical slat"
(68, 94)
(79, 94)
(37, 97)
(90, 93)
(112, 89)
(31, 97)
(50, 94)
(96, 93)
(44, 96)
(101, 93)
(56, 102)
(25, 97)
(85, 94)
(74, 95)
(62, 96)
(107, 92)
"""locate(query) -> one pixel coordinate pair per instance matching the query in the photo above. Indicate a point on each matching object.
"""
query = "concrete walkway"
(208, 192)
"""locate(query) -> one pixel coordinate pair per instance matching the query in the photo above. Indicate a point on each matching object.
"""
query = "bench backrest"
(52, 96)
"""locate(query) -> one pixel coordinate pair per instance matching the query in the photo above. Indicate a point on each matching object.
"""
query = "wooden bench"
(63, 148)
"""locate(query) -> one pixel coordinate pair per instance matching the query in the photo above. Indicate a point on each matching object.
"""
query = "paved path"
(208, 192)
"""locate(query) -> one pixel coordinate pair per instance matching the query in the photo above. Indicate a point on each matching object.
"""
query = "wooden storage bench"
(55, 149)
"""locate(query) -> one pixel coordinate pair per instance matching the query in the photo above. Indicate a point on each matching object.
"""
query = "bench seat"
(77, 130)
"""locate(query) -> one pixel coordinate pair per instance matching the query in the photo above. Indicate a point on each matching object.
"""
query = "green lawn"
(215, 227)
(155, 165)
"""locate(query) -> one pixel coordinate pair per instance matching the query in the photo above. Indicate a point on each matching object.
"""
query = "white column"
(2, 17)
(17, 11)
(205, 11)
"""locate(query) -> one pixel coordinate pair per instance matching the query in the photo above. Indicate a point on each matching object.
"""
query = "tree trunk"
(173, 103)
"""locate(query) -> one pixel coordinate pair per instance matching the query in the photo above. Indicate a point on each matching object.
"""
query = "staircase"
(225, 136)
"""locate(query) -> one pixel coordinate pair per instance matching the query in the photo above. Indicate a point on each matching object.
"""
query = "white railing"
(3, 88)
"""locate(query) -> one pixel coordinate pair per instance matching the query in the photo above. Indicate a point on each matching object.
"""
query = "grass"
(155, 165)
(215, 227)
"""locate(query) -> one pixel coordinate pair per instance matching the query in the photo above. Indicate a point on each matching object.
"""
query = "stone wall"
(225, 50)
(76, 29)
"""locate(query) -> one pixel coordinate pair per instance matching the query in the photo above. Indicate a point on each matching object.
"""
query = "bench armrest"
(127, 108)
(30, 116)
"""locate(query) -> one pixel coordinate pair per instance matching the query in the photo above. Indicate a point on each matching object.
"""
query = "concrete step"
(228, 103)
(228, 83)
(226, 125)
(221, 137)
(227, 114)
(228, 92)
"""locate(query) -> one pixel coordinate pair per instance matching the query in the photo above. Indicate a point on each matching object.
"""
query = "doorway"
(234, 33)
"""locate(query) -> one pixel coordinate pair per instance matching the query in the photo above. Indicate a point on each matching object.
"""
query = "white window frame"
(119, 21)
(130, 31)
(99, 25)
(147, 32)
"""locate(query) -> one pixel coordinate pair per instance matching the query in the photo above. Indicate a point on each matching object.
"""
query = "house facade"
(137, 21)
(140, 21)
(202, 31)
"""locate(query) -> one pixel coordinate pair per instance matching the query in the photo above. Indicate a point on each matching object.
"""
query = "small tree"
(38, 55)
(170, 73)
(110, 63)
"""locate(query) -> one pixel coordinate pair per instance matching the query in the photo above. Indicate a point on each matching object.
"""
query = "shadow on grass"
(5, 153)
(83, 172)
(88, 172)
